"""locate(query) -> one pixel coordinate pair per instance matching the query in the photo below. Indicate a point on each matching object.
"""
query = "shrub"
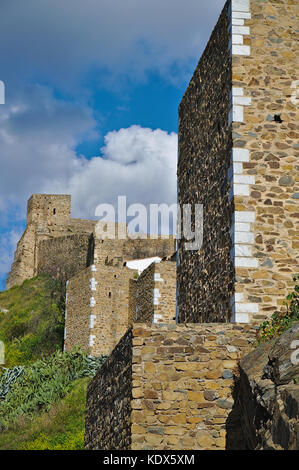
(43, 383)
(281, 321)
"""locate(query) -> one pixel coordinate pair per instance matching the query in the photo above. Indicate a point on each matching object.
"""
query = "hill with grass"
(42, 388)
(32, 320)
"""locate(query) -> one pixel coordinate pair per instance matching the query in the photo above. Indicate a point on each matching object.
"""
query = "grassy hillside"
(31, 320)
(60, 428)
(42, 389)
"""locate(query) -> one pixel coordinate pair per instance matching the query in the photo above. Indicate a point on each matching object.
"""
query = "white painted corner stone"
(240, 318)
(92, 319)
(240, 49)
(92, 302)
(240, 5)
(91, 340)
(237, 21)
(241, 262)
(241, 14)
(237, 39)
(237, 297)
(240, 155)
(93, 284)
(157, 295)
(157, 317)
(236, 91)
(244, 216)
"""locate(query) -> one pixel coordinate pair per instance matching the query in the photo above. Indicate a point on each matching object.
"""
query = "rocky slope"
(266, 411)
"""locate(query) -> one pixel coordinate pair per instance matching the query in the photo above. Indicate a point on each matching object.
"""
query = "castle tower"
(45, 209)
(237, 156)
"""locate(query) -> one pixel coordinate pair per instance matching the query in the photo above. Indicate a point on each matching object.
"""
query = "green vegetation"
(61, 428)
(32, 320)
(40, 385)
(281, 321)
(42, 389)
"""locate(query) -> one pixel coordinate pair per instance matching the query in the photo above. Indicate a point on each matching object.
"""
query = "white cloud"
(61, 44)
(60, 40)
(137, 162)
(37, 142)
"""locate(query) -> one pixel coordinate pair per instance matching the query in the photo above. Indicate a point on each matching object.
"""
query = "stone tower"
(238, 150)
(48, 209)
(52, 242)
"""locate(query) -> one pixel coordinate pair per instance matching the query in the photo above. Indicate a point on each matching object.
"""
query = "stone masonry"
(48, 218)
(238, 149)
(180, 388)
(155, 293)
(237, 156)
(109, 411)
(61, 246)
(104, 301)
(172, 379)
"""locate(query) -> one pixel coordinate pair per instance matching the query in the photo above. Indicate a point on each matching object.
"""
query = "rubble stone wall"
(109, 394)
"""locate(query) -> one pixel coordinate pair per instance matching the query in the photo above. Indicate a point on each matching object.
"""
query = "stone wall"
(182, 384)
(48, 218)
(180, 393)
(238, 149)
(165, 292)
(114, 251)
(109, 301)
(265, 153)
(148, 248)
(77, 312)
(132, 301)
(43, 209)
(145, 295)
(63, 257)
(23, 266)
(108, 414)
(97, 309)
(205, 277)
(156, 294)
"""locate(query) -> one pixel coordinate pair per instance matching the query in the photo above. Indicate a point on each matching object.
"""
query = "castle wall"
(240, 163)
(52, 242)
(97, 309)
(148, 248)
(155, 291)
(23, 266)
(45, 209)
(114, 251)
(181, 388)
(77, 312)
(108, 415)
(264, 174)
(109, 307)
(165, 292)
(205, 277)
(145, 295)
(132, 300)
(63, 257)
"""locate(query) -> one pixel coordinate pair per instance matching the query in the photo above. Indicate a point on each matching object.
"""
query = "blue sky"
(92, 86)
